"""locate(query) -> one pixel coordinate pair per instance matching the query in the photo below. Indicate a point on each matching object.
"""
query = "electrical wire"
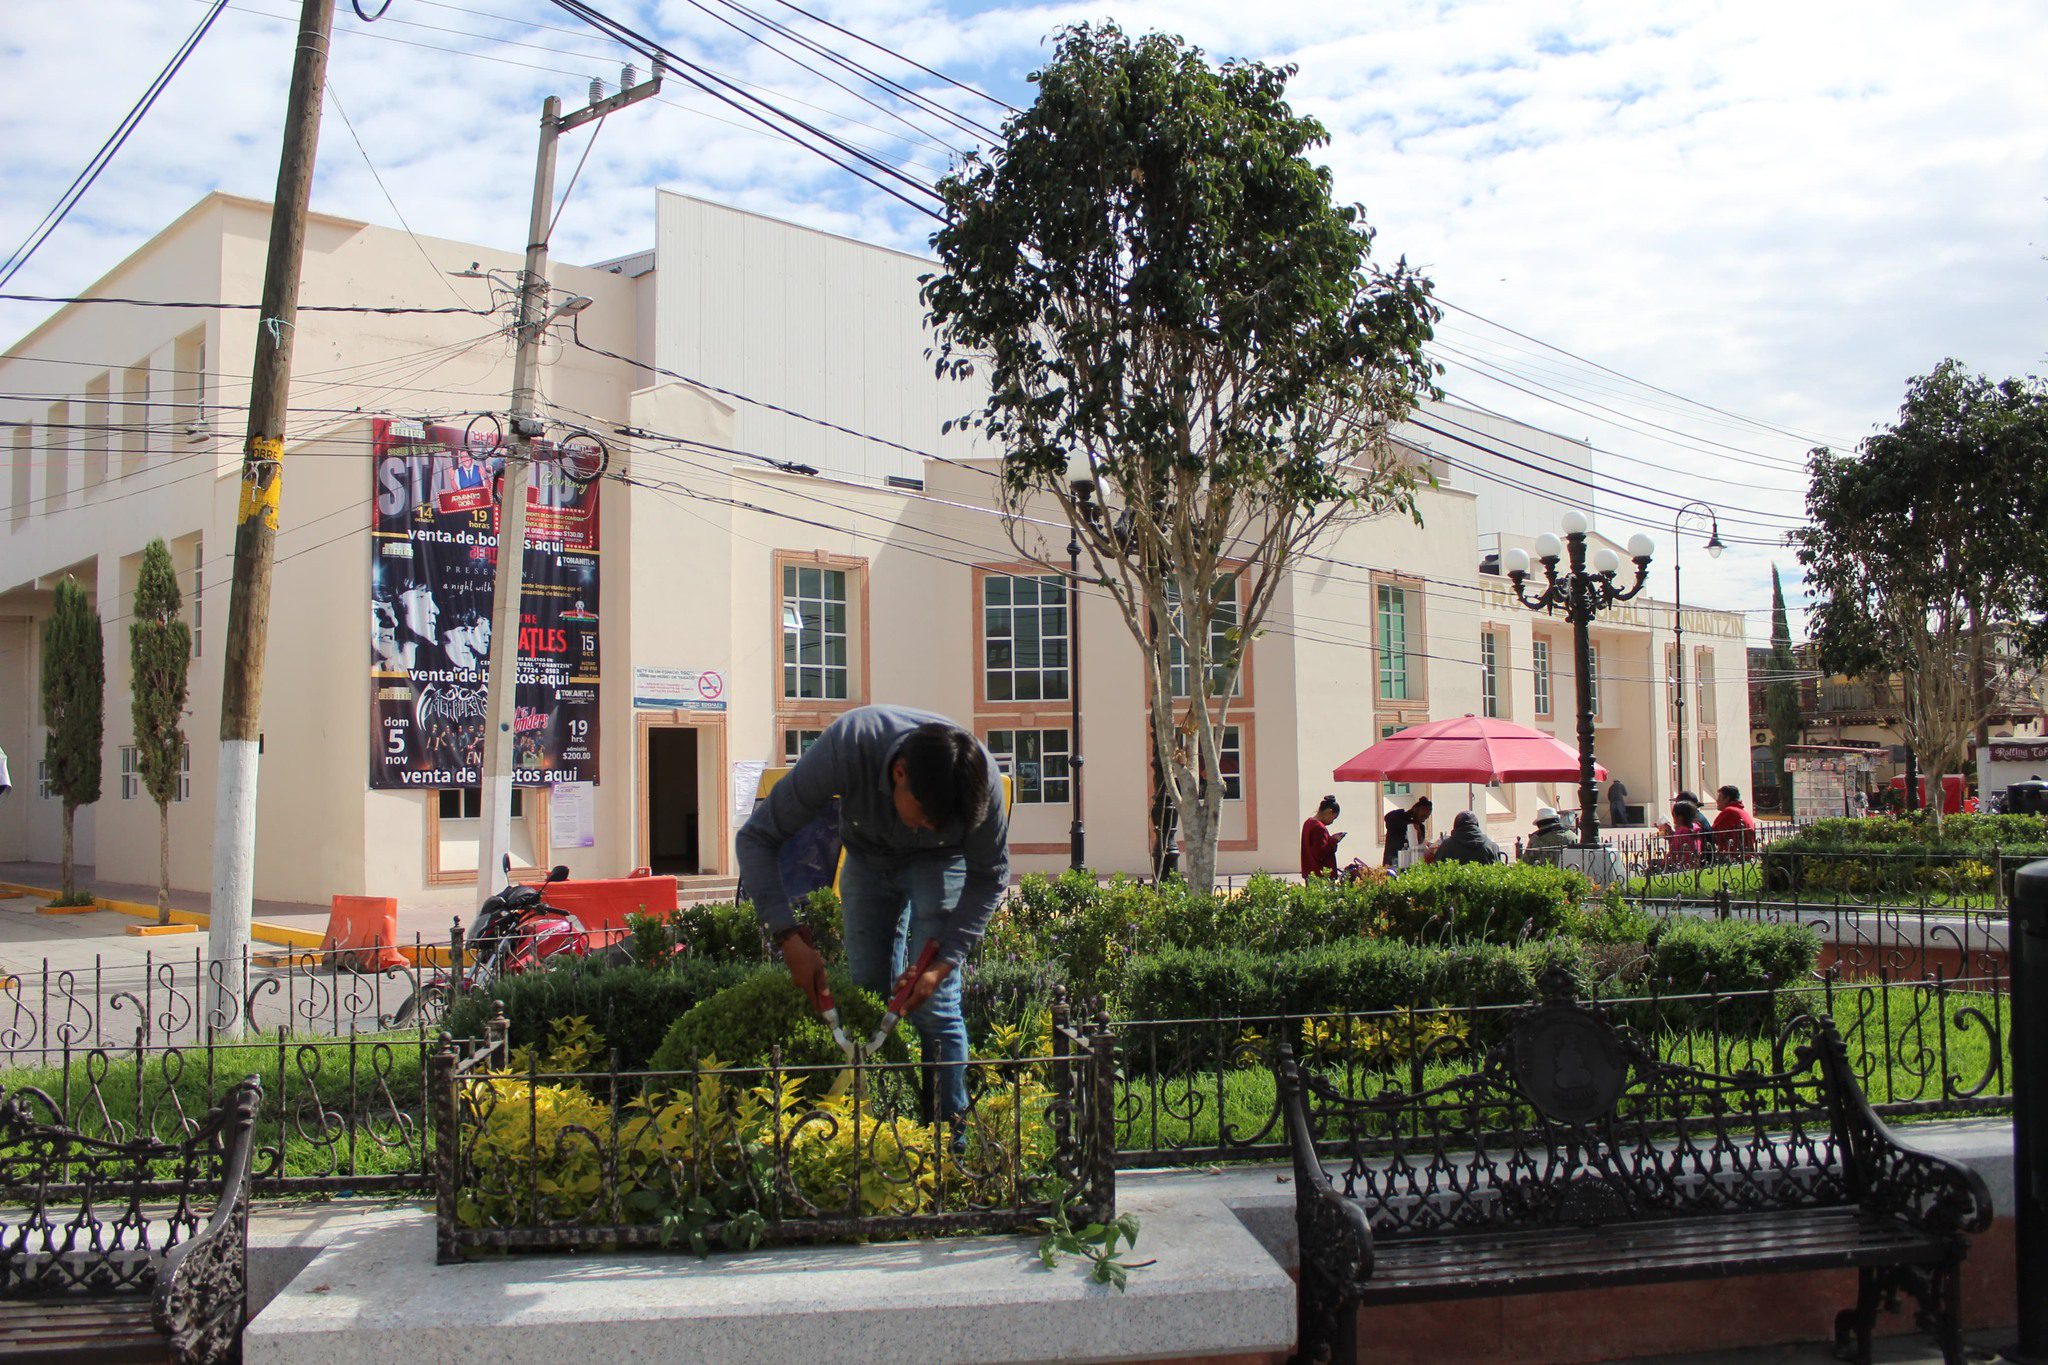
(390, 310)
(86, 178)
(334, 93)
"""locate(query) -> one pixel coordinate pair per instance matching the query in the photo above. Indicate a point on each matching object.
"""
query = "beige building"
(793, 535)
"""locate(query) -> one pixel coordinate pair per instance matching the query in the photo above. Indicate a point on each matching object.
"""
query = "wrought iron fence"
(532, 1159)
(1196, 1090)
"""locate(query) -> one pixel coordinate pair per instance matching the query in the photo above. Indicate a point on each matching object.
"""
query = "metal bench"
(1572, 1157)
(118, 1251)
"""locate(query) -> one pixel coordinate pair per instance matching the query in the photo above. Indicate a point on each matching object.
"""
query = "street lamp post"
(1582, 592)
(1714, 548)
(1077, 833)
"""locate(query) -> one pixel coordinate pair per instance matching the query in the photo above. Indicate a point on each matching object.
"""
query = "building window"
(1037, 763)
(467, 803)
(1393, 642)
(1024, 638)
(1671, 687)
(1388, 731)
(1230, 762)
(1489, 674)
(1593, 679)
(131, 772)
(43, 778)
(198, 612)
(23, 455)
(1539, 652)
(797, 743)
(1222, 640)
(814, 649)
(57, 456)
(185, 777)
(188, 358)
(97, 421)
(1703, 665)
(135, 418)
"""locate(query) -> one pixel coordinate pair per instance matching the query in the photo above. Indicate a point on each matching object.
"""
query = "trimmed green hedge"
(1095, 931)
(742, 1024)
(631, 1007)
(1916, 833)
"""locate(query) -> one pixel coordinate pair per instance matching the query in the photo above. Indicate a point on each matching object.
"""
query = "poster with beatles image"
(433, 562)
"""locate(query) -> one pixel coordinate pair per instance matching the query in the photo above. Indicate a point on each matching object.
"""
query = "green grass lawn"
(336, 1110)
(1900, 1042)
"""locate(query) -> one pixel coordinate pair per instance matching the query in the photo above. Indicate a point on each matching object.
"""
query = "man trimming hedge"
(927, 857)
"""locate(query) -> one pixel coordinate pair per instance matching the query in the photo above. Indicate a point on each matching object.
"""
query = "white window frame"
(131, 771)
(1489, 675)
(1220, 625)
(1006, 623)
(1539, 654)
(1230, 746)
(796, 742)
(1396, 678)
(797, 624)
(1038, 790)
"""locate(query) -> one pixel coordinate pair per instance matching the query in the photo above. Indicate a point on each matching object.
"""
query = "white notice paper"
(746, 781)
(572, 815)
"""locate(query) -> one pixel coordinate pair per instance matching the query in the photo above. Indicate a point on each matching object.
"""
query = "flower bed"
(543, 1152)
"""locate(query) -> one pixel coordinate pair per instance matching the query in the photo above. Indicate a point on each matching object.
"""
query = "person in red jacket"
(1319, 843)
(1734, 826)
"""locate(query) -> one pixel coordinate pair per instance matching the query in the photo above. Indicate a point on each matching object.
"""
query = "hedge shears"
(899, 1005)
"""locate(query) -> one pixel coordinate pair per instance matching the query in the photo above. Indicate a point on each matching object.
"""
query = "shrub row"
(1916, 833)
(629, 1006)
(1094, 930)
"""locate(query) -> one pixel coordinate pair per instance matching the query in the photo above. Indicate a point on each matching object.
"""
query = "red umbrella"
(1467, 749)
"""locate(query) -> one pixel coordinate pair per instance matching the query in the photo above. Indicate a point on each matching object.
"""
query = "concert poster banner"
(433, 560)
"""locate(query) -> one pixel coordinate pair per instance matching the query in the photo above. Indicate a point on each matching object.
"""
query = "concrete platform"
(374, 1296)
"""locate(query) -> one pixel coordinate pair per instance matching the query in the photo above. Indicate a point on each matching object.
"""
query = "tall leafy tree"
(1164, 300)
(1927, 554)
(160, 654)
(74, 710)
(1781, 694)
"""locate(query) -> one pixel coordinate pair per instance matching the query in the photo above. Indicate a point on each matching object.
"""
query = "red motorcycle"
(515, 931)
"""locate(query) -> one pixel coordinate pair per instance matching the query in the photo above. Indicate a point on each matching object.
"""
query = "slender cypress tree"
(74, 710)
(160, 653)
(1781, 695)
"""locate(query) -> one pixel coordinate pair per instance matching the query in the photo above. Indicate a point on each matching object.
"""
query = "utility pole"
(502, 690)
(241, 698)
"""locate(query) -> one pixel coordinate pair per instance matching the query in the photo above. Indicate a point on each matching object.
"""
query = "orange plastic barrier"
(604, 902)
(362, 933)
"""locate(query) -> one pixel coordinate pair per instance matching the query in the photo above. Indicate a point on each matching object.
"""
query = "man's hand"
(806, 968)
(921, 987)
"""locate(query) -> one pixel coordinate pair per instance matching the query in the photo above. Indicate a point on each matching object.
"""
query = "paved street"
(84, 981)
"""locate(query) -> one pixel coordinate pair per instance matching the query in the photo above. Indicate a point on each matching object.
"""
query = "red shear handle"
(923, 964)
(826, 1004)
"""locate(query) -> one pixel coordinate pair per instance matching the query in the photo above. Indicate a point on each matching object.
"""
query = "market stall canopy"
(1467, 749)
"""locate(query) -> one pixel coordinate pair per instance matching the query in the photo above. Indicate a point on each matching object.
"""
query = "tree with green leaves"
(1187, 351)
(1927, 555)
(1781, 693)
(74, 711)
(160, 654)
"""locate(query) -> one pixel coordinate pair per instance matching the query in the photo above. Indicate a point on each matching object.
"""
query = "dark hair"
(1687, 796)
(1331, 803)
(1422, 803)
(947, 773)
(1686, 813)
(1729, 793)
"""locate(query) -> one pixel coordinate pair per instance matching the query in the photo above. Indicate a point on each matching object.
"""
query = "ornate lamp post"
(1696, 510)
(1583, 593)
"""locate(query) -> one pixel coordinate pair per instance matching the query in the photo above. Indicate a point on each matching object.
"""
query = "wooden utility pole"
(502, 690)
(241, 699)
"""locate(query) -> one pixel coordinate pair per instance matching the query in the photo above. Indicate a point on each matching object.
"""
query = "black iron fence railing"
(717, 1156)
(1198, 1090)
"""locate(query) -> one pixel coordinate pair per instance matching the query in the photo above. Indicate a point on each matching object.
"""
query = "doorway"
(674, 823)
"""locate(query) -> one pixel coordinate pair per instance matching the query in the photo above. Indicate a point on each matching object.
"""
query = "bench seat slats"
(1530, 1260)
(99, 1330)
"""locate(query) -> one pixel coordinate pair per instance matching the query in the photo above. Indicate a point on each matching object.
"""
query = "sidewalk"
(284, 923)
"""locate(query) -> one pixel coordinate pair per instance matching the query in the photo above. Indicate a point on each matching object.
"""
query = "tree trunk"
(163, 863)
(1198, 844)
(70, 882)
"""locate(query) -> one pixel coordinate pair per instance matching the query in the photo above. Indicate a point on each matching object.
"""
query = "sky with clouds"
(1703, 237)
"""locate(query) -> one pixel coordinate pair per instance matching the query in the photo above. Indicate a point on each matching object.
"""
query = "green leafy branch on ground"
(1098, 1242)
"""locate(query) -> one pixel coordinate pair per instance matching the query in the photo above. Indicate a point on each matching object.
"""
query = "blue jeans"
(887, 909)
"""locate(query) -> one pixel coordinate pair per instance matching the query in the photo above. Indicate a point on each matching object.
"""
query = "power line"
(86, 178)
(334, 94)
(391, 310)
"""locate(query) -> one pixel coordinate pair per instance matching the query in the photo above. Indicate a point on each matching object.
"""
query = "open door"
(675, 823)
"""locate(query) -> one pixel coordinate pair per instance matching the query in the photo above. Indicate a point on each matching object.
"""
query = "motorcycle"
(515, 931)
